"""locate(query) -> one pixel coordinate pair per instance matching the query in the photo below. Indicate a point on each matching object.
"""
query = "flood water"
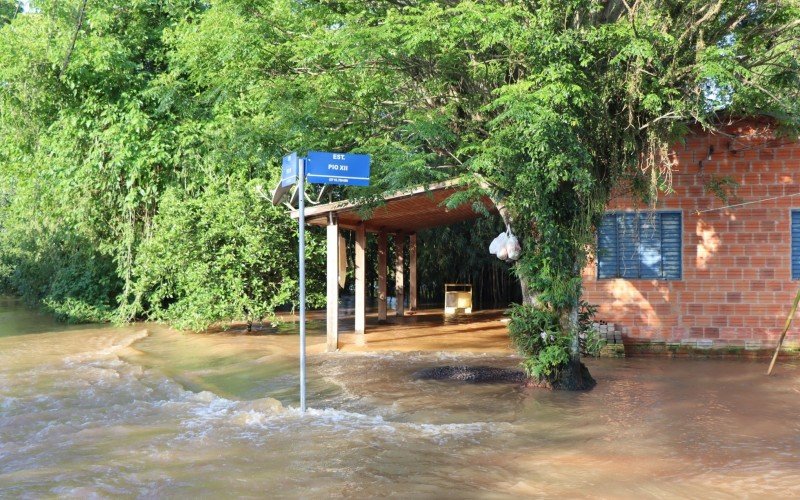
(143, 411)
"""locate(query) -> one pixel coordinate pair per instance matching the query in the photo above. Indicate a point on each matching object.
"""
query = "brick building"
(694, 269)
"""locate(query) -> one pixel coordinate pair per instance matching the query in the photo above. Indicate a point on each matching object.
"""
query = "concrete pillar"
(382, 257)
(361, 274)
(332, 284)
(412, 272)
(399, 246)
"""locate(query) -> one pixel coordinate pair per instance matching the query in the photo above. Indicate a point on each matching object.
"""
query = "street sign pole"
(302, 251)
(321, 167)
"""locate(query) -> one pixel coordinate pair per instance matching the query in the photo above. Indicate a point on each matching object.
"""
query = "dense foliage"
(235, 266)
(115, 115)
(8, 10)
(124, 193)
(606, 92)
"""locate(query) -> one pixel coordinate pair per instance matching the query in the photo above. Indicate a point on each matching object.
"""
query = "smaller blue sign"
(289, 170)
(337, 168)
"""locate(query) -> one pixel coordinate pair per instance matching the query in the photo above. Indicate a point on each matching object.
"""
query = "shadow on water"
(313, 327)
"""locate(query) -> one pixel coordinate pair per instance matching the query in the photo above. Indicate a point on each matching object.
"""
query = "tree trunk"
(570, 324)
(529, 297)
(574, 376)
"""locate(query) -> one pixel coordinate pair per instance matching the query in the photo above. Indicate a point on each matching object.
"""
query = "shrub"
(61, 271)
(537, 334)
(71, 310)
(223, 255)
(591, 341)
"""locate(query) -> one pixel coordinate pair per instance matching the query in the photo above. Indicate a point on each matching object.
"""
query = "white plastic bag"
(513, 249)
(502, 252)
(498, 243)
(493, 247)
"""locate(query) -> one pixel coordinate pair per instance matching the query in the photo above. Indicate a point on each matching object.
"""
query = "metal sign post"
(302, 237)
(321, 168)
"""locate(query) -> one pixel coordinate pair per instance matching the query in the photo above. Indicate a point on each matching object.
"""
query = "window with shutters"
(645, 245)
(796, 244)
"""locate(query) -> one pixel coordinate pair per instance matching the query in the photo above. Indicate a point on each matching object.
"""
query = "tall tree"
(609, 89)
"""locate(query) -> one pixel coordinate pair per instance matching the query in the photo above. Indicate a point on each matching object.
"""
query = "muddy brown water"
(144, 411)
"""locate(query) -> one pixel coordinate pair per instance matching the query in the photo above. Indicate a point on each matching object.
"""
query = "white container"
(457, 299)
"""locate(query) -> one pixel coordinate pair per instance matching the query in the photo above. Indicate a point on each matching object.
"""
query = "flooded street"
(146, 411)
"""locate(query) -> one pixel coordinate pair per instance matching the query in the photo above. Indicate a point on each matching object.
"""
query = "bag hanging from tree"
(497, 243)
(506, 246)
(513, 248)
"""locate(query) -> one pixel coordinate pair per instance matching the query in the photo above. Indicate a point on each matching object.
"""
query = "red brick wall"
(736, 283)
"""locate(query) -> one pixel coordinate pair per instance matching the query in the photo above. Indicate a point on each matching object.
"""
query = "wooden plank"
(412, 272)
(361, 284)
(332, 282)
(783, 334)
(382, 257)
(399, 286)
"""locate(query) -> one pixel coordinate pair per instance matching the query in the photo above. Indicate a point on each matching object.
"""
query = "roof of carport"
(409, 210)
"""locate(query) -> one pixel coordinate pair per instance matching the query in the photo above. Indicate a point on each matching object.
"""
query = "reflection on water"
(18, 320)
(127, 411)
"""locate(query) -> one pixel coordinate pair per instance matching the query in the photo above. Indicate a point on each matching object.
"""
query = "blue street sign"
(337, 168)
(289, 170)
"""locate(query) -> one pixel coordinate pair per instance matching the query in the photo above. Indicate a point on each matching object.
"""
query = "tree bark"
(574, 376)
(570, 324)
(71, 49)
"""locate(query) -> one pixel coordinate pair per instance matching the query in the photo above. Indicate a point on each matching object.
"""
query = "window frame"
(616, 213)
(792, 213)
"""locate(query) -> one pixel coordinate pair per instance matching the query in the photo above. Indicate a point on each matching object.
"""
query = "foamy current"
(144, 411)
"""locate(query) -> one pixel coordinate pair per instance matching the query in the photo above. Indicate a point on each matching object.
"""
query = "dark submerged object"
(572, 377)
(472, 374)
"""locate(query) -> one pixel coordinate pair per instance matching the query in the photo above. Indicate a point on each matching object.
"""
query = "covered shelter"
(402, 214)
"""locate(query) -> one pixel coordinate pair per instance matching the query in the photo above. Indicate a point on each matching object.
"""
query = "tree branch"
(78, 27)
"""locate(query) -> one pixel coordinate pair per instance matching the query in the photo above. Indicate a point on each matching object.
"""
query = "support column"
(361, 274)
(399, 245)
(332, 284)
(412, 272)
(382, 254)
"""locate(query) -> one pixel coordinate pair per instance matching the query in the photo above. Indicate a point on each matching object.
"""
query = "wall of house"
(736, 282)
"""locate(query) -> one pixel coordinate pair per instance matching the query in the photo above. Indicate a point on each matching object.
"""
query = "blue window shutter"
(632, 245)
(795, 244)
(671, 241)
(649, 246)
(627, 229)
(607, 247)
